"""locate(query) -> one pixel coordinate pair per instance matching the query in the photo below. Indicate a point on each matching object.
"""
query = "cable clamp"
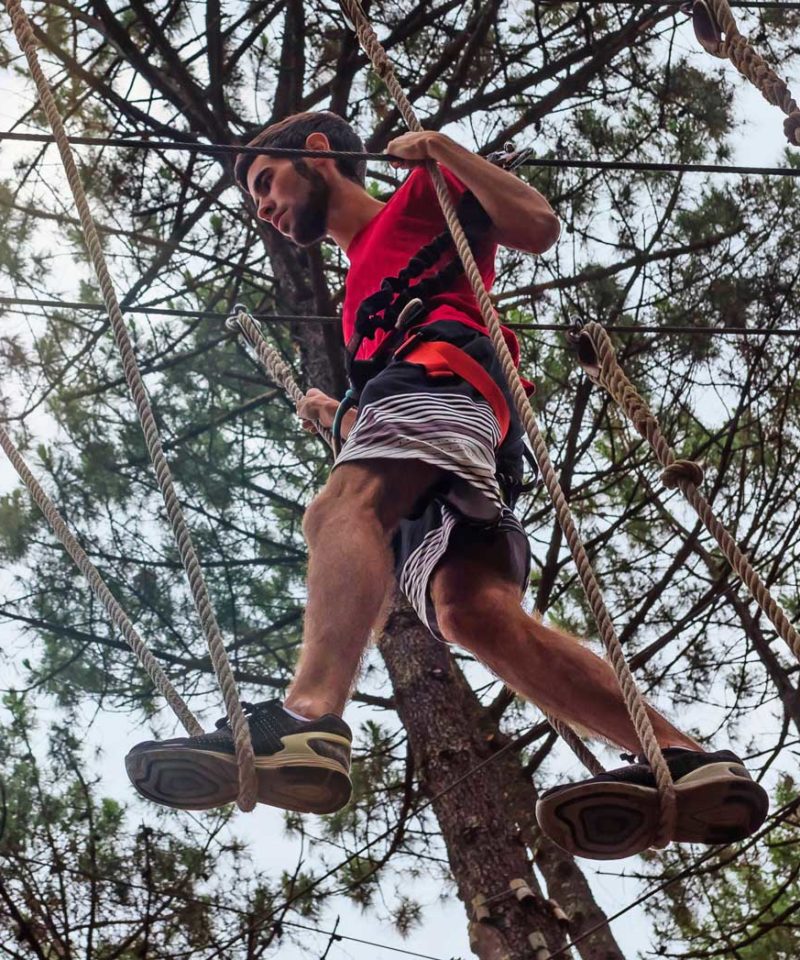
(706, 28)
(232, 323)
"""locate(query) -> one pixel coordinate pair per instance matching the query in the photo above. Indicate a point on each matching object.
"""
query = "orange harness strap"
(444, 359)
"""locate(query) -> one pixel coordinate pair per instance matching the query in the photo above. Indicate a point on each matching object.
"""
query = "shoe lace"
(249, 708)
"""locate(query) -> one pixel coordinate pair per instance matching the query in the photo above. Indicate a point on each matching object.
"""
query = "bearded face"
(310, 216)
(293, 196)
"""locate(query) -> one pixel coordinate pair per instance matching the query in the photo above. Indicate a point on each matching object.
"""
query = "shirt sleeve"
(422, 190)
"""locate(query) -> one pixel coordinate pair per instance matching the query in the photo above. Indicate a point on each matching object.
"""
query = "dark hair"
(292, 131)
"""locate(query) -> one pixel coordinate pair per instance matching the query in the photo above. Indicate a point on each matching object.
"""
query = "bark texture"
(487, 821)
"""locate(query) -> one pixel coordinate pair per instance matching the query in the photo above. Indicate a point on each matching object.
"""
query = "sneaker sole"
(718, 803)
(297, 778)
(607, 822)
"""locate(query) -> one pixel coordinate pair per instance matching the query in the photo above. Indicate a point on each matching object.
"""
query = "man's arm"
(522, 218)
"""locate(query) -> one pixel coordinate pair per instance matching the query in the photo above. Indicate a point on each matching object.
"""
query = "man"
(417, 494)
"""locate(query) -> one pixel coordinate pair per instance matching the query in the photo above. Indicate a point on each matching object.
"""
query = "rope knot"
(682, 470)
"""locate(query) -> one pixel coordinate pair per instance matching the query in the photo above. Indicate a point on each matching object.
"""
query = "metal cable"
(240, 727)
(624, 329)
(633, 699)
(217, 149)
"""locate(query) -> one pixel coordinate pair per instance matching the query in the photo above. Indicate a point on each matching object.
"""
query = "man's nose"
(265, 209)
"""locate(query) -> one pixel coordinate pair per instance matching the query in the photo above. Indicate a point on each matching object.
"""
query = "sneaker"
(615, 814)
(300, 765)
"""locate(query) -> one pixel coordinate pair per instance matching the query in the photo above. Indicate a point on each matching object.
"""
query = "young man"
(417, 494)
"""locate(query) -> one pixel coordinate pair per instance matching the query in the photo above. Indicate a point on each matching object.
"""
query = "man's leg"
(349, 528)
(615, 814)
(477, 606)
(302, 762)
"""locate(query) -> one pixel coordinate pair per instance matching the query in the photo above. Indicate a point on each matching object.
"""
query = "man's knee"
(482, 619)
(351, 495)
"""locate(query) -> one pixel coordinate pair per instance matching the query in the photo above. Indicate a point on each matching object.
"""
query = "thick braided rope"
(755, 68)
(633, 699)
(277, 369)
(683, 474)
(99, 588)
(241, 732)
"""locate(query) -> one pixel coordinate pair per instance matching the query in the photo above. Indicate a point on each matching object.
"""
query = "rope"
(685, 475)
(241, 731)
(269, 358)
(99, 588)
(633, 699)
(715, 17)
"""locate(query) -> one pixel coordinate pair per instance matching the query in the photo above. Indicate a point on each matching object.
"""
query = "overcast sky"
(443, 933)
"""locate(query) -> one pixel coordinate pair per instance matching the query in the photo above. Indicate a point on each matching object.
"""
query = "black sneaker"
(300, 765)
(615, 814)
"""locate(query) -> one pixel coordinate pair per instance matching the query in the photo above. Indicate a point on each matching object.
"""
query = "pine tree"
(639, 249)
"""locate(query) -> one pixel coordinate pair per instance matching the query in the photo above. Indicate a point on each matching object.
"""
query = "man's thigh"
(393, 489)
(476, 562)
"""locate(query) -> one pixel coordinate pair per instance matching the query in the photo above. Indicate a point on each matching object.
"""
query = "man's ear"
(319, 141)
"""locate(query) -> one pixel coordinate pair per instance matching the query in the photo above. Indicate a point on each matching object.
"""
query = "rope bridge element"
(273, 363)
(714, 18)
(202, 602)
(597, 357)
(633, 699)
(99, 587)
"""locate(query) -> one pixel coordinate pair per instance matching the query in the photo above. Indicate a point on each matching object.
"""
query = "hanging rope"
(714, 18)
(219, 659)
(633, 699)
(99, 588)
(272, 362)
(597, 357)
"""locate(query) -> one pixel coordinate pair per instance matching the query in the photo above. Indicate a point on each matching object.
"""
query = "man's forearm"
(522, 217)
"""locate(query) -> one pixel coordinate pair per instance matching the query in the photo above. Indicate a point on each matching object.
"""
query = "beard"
(311, 217)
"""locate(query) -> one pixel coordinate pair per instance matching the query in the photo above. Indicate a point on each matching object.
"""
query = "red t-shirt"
(411, 218)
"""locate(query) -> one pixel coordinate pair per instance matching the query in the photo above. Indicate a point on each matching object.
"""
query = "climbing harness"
(399, 305)
(399, 309)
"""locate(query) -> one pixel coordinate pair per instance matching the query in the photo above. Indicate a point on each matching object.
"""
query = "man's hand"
(315, 408)
(412, 148)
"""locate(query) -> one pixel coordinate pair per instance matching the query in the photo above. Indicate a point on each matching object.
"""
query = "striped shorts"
(405, 414)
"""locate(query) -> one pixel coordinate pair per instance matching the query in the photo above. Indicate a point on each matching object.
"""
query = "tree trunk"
(480, 818)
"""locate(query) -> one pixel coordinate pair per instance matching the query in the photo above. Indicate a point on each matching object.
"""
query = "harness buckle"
(414, 310)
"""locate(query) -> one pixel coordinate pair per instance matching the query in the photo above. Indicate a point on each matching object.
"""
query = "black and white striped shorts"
(404, 414)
